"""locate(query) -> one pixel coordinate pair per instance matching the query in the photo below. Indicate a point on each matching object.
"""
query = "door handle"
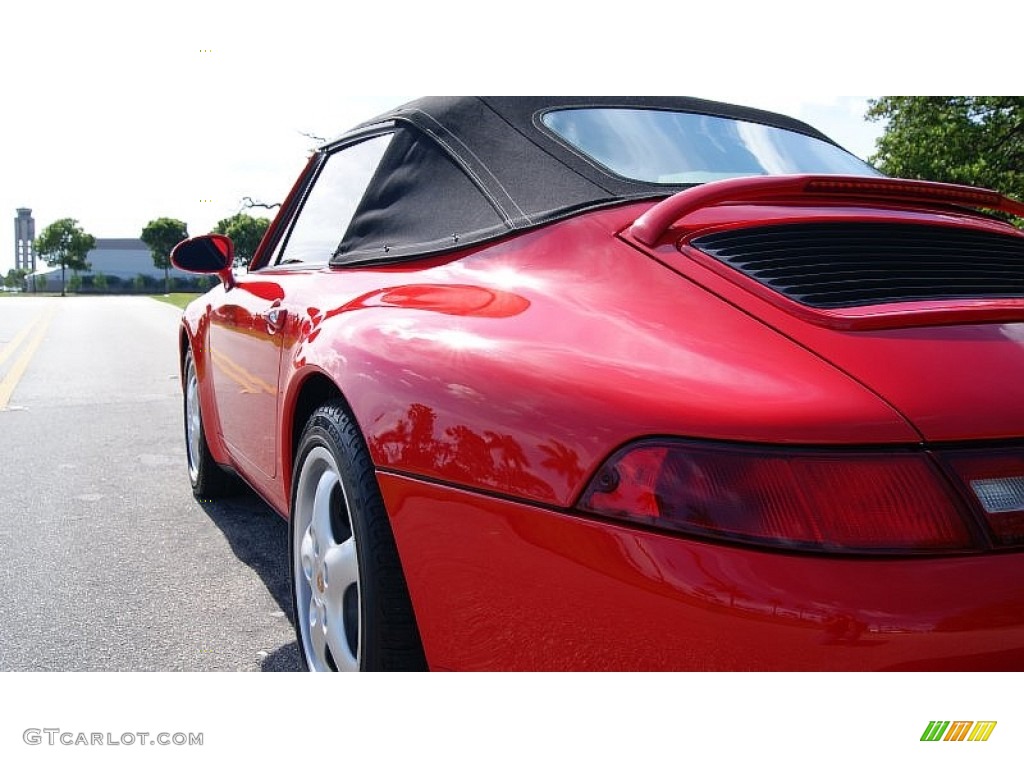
(275, 319)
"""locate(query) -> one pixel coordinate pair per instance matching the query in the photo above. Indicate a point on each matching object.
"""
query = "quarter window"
(330, 204)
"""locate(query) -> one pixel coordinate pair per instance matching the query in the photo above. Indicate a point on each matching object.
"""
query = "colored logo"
(959, 730)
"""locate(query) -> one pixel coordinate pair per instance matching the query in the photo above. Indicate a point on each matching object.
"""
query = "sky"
(123, 112)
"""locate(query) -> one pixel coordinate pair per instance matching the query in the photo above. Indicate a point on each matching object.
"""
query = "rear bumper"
(501, 585)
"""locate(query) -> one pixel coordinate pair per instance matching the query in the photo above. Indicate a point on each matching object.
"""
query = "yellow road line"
(12, 345)
(20, 365)
(251, 383)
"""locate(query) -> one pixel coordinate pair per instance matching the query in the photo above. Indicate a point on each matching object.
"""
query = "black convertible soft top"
(463, 170)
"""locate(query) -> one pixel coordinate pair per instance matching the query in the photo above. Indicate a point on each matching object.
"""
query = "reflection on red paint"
(460, 300)
(486, 458)
(263, 289)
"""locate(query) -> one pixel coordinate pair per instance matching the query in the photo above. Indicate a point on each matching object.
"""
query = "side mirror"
(207, 255)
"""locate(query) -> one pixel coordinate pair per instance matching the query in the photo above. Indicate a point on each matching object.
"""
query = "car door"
(247, 330)
(245, 352)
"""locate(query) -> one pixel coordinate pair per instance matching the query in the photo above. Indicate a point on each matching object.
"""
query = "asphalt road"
(107, 562)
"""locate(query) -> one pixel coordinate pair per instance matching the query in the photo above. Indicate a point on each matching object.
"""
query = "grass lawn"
(177, 299)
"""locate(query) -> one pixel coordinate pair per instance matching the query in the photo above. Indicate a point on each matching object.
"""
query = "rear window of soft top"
(679, 148)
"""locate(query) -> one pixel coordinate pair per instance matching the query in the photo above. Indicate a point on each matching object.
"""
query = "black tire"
(350, 602)
(208, 480)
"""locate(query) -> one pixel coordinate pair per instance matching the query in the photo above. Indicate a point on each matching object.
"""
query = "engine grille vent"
(832, 265)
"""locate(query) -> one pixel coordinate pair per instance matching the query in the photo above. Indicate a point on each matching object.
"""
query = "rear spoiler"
(653, 224)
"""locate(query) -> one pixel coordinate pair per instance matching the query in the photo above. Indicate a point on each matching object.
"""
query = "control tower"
(24, 241)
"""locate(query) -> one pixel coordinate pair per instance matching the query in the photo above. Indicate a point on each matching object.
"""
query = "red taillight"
(994, 479)
(842, 501)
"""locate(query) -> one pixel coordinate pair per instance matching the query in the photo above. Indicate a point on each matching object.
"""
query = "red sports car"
(624, 383)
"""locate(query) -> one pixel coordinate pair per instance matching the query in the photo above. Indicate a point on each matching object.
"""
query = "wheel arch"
(184, 344)
(192, 334)
(308, 394)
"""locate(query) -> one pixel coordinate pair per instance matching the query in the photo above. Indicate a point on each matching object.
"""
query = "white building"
(121, 258)
(125, 258)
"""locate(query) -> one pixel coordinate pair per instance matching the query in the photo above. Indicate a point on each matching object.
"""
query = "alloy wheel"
(326, 567)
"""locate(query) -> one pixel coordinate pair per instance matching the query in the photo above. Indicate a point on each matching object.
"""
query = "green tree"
(99, 282)
(139, 281)
(40, 283)
(15, 278)
(75, 283)
(976, 140)
(66, 244)
(245, 232)
(160, 236)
